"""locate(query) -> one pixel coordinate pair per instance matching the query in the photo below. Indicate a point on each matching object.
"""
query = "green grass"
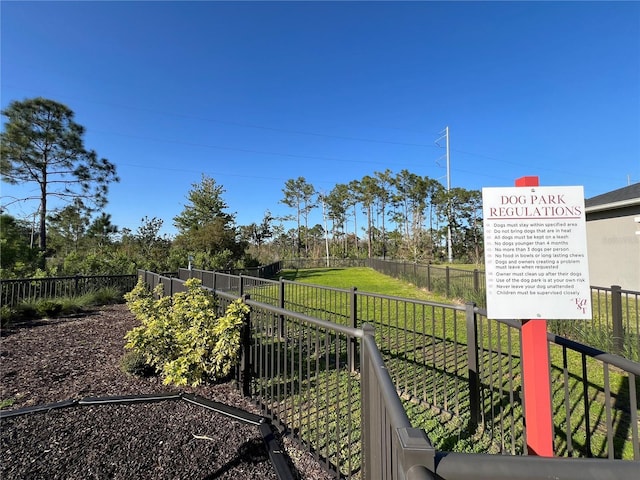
(364, 279)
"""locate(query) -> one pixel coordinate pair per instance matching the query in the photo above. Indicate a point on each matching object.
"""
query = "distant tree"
(337, 203)
(206, 229)
(42, 144)
(68, 227)
(147, 235)
(102, 230)
(368, 192)
(352, 201)
(153, 248)
(257, 234)
(466, 222)
(383, 197)
(205, 205)
(412, 193)
(17, 258)
(298, 194)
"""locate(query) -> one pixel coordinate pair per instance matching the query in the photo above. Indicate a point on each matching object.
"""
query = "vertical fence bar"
(448, 281)
(245, 358)
(585, 399)
(616, 314)
(281, 303)
(634, 415)
(353, 323)
(472, 362)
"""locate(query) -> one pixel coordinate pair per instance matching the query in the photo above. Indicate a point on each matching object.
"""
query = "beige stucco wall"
(614, 252)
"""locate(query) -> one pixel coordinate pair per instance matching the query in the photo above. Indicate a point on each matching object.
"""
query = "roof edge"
(610, 206)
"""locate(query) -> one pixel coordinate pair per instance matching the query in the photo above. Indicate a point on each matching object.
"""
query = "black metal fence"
(263, 271)
(615, 326)
(16, 291)
(366, 382)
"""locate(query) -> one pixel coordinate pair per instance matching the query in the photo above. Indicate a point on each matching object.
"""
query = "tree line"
(399, 215)
(396, 215)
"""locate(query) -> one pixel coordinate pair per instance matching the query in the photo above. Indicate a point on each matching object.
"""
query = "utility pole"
(321, 196)
(448, 157)
(449, 247)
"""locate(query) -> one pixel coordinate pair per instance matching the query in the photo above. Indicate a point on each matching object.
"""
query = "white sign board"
(536, 253)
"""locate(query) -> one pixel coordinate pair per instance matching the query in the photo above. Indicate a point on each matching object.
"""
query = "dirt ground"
(50, 361)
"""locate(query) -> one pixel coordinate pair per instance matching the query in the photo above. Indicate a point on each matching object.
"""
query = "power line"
(238, 149)
(248, 125)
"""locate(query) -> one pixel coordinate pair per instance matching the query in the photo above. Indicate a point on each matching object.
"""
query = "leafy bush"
(181, 337)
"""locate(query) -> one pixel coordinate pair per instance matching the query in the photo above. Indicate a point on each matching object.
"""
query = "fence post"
(245, 355)
(417, 455)
(241, 285)
(472, 364)
(429, 277)
(476, 280)
(75, 284)
(353, 345)
(368, 411)
(281, 303)
(616, 314)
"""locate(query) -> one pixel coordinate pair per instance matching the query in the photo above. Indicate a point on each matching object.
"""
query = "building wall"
(614, 250)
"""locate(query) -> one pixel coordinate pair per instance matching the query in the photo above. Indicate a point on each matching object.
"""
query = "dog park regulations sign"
(536, 253)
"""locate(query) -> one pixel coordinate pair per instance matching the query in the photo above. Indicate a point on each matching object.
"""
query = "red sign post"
(536, 385)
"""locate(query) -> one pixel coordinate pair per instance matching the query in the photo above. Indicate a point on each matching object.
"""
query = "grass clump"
(134, 362)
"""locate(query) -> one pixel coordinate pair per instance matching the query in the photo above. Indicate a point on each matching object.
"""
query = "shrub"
(182, 337)
(105, 296)
(26, 310)
(48, 308)
(5, 316)
(134, 362)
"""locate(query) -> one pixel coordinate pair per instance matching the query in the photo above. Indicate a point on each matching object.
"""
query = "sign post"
(536, 263)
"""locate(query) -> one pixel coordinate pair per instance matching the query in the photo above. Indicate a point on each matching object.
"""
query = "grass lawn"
(364, 279)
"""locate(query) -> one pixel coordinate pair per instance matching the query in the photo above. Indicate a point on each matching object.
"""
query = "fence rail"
(336, 384)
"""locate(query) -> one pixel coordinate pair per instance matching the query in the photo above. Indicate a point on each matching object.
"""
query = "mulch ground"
(49, 361)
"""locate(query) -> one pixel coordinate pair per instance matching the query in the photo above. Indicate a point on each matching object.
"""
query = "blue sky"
(253, 94)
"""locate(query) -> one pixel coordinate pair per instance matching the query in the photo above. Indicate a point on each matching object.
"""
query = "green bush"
(181, 336)
(25, 310)
(48, 308)
(6, 315)
(134, 362)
